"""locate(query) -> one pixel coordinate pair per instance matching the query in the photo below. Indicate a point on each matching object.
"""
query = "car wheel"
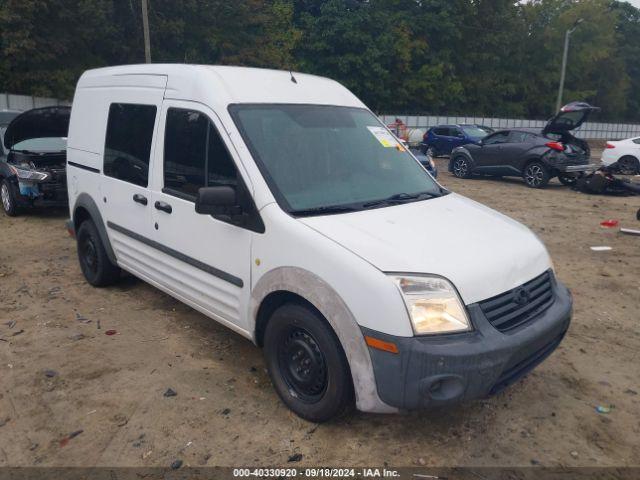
(536, 175)
(629, 165)
(9, 198)
(567, 180)
(306, 363)
(461, 167)
(94, 262)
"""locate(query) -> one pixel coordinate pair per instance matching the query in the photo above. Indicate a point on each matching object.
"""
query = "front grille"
(516, 307)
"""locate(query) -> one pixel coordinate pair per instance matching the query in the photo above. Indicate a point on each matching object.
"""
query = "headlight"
(30, 175)
(433, 304)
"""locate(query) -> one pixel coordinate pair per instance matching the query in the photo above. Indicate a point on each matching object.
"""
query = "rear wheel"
(94, 262)
(461, 167)
(629, 165)
(567, 180)
(536, 175)
(306, 363)
(9, 198)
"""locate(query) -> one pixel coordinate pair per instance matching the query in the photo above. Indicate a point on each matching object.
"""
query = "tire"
(306, 363)
(94, 262)
(567, 180)
(9, 198)
(431, 152)
(536, 175)
(461, 167)
(629, 165)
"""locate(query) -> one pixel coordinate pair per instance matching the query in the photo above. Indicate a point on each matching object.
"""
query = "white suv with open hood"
(277, 204)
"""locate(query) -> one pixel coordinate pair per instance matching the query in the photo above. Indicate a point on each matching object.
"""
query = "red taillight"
(556, 146)
(609, 145)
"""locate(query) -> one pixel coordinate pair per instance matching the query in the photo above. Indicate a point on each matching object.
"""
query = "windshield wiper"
(400, 198)
(327, 210)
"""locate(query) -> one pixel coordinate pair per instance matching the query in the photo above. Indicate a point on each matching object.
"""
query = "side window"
(128, 142)
(441, 131)
(194, 154)
(185, 151)
(519, 137)
(500, 137)
(636, 140)
(454, 132)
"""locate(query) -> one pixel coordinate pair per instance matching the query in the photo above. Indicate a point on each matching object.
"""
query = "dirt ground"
(226, 412)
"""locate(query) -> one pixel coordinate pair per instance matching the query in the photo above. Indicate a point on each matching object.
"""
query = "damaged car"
(33, 173)
(533, 154)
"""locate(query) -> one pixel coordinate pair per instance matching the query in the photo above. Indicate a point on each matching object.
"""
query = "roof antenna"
(293, 79)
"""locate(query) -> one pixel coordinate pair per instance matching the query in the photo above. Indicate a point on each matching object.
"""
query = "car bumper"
(609, 156)
(430, 371)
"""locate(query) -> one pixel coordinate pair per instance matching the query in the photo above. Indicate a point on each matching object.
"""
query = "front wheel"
(567, 180)
(536, 175)
(461, 167)
(94, 261)
(9, 198)
(306, 363)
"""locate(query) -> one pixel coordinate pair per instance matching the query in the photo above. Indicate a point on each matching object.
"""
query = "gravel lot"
(60, 373)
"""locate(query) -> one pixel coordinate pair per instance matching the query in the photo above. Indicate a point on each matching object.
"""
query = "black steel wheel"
(93, 258)
(306, 363)
(536, 175)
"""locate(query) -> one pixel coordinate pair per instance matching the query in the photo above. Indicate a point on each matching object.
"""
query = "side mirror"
(218, 201)
(480, 142)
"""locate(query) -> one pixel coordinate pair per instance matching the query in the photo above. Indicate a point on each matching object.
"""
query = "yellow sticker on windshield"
(384, 137)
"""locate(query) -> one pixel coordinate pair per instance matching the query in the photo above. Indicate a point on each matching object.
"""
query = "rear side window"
(128, 142)
(636, 140)
(520, 137)
(441, 131)
(500, 137)
(194, 155)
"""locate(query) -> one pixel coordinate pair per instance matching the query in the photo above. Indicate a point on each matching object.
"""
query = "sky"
(635, 3)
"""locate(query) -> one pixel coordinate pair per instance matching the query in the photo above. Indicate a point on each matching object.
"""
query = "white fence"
(11, 101)
(590, 130)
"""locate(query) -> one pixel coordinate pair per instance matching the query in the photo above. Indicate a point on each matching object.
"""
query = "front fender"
(323, 297)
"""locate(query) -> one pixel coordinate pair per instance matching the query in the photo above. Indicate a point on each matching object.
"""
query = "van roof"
(227, 84)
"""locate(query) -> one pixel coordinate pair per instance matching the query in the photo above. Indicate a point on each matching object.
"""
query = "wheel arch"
(85, 208)
(461, 152)
(294, 284)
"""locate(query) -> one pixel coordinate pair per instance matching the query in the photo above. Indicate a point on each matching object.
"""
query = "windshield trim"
(233, 109)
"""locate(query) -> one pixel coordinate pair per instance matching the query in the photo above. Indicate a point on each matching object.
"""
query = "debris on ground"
(630, 231)
(77, 336)
(296, 457)
(602, 248)
(573, 453)
(170, 393)
(604, 408)
(4, 422)
(110, 332)
(176, 464)
(98, 324)
(50, 373)
(628, 391)
(609, 223)
(19, 332)
(226, 411)
(10, 324)
(66, 439)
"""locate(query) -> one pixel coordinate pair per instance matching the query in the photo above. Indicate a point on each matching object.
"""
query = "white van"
(277, 204)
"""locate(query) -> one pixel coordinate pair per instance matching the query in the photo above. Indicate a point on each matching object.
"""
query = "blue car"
(442, 139)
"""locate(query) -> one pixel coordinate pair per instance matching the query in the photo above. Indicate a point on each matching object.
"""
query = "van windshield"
(326, 159)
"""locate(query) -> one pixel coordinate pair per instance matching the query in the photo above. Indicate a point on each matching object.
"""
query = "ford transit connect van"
(277, 204)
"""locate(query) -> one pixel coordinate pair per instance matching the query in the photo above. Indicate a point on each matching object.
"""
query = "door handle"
(140, 199)
(165, 207)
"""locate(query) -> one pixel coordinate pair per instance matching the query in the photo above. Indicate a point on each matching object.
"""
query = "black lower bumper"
(431, 371)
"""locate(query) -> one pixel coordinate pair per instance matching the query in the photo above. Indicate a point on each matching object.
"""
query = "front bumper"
(437, 370)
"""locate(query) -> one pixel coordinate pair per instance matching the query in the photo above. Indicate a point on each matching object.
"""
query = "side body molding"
(317, 292)
(85, 201)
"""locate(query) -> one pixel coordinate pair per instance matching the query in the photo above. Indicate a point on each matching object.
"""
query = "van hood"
(482, 252)
(38, 123)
